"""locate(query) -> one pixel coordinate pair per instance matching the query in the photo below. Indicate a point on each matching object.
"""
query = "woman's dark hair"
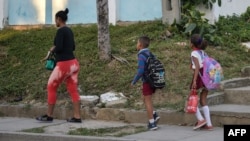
(198, 41)
(144, 40)
(63, 14)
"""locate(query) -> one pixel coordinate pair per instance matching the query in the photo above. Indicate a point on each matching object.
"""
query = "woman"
(66, 69)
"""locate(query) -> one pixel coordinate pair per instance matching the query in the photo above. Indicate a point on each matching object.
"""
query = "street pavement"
(11, 130)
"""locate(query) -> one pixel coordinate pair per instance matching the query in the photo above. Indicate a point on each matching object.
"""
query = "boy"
(147, 91)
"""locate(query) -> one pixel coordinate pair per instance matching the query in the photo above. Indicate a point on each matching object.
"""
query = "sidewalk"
(10, 130)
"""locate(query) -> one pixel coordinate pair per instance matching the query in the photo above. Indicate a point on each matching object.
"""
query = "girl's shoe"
(199, 124)
(44, 118)
(74, 120)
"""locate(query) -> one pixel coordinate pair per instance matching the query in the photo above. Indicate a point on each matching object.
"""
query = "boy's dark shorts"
(147, 89)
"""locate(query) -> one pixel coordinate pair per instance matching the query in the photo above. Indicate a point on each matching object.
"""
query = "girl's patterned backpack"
(212, 72)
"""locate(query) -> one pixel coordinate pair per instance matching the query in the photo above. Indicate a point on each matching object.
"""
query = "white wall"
(3, 13)
(113, 11)
(228, 8)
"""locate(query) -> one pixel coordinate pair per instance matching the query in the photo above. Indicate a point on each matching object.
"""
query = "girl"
(198, 46)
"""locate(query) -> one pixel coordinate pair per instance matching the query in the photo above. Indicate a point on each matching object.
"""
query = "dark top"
(141, 65)
(64, 44)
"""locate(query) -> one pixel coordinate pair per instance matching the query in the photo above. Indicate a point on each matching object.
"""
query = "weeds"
(34, 130)
(111, 131)
(22, 73)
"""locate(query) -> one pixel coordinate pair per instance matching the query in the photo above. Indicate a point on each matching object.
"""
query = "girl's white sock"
(206, 113)
(198, 115)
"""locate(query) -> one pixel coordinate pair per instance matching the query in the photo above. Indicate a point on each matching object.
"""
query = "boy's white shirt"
(197, 55)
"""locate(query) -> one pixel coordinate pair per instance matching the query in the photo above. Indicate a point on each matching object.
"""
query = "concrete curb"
(21, 136)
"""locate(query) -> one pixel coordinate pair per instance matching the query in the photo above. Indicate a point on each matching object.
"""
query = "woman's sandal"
(44, 118)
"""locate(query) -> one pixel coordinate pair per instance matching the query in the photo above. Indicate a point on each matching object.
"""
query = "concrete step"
(221, 114)
(215, 98)
(235, 83)
(239, 95)
(230, 114)
(222, 106)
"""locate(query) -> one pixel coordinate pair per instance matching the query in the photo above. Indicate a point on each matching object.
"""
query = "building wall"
(228, 8)
(26, 12)
(34, 12)
(80, 11)
(231, 7)
(3, 13)
(48, 12)
(140, 10)
(114, 11)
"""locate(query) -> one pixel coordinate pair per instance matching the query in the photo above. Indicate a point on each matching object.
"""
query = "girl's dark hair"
(63, 14)
(144, 40)
(198, 41)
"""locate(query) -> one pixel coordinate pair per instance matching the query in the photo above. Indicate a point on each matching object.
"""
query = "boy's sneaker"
(152, 126)
(74, 120)
(156, 117)
(199, 124)
(44, 118)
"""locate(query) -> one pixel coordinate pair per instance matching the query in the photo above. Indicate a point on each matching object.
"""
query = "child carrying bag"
(50, 61)
(192, 102)
(212, 72)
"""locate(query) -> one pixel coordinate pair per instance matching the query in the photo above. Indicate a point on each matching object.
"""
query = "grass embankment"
(22, 73)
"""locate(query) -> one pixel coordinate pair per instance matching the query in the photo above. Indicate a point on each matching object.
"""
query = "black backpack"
(154, 71)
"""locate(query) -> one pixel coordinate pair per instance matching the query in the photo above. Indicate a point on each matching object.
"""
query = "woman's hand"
(45, 58)
(52, 48)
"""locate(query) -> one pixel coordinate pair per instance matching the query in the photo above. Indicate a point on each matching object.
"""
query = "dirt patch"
(3, 52)
(160, 98)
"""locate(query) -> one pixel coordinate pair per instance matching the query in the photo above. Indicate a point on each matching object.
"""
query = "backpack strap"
(146, 55)
(202, 53)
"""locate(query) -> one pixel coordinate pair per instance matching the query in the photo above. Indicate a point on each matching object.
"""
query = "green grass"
(111, 131)
(34, 130)
(22, 73)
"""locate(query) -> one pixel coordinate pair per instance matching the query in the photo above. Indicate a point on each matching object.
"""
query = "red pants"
(64, 71)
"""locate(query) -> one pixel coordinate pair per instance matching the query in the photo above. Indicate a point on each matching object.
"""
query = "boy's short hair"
(144, 40)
